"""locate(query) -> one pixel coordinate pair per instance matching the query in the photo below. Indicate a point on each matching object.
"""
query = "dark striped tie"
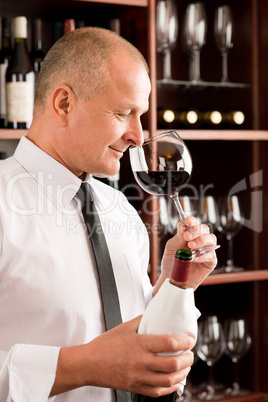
(109, 295)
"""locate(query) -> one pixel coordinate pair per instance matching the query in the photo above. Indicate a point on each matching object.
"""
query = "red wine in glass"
(162, 183)
(163, 166)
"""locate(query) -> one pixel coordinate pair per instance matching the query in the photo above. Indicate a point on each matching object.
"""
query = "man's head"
(81, 60)
(91, 92)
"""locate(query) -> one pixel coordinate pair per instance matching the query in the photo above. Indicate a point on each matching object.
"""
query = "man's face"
(102, 129)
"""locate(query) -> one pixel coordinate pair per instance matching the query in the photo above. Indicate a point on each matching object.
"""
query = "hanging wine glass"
(209, 213)
(194, 36)
(163, 166)
(210, 347)
(167, 27)
(238, 342)
(223, 30)
(231, 220)
(168, 214)
(189, 206)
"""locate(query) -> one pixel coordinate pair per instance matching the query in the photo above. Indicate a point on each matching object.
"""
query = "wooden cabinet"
(221, 157)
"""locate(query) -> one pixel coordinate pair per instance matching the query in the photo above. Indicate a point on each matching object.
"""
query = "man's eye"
(122, 116)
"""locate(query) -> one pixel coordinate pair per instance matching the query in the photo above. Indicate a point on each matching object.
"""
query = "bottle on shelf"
(175, 291)
(20, 80)
(234, 118)
(5, 56)
(37, 54)
(212, 119)
(115, 25)
(170, 118)
(80, 24)
(68, 25)
(57, 28)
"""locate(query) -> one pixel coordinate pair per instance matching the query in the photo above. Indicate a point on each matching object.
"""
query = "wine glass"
(231, 220)
(209, 213)
(210, 347)
(166, 216)
(167, 27)
(238, 342)
(194, 34)
(168, 212)
(163, 166)
(223, 30)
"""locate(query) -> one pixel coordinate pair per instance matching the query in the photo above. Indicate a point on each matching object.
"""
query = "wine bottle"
(181, 268)
(37, 54)
(212, 119)
(68, 25)
(20, 80)
(234, 118)
(5, 56)
(179, 276)
(57, 30)
(169, 118)
(115, 25)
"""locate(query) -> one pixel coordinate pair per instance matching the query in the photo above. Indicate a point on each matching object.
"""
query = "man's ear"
(61, 99)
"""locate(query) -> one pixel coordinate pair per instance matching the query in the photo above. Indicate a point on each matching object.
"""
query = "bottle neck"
(37, 43)
(20, 45)
(20, 60)
(6, 35)
(68, 26)
(181, 268)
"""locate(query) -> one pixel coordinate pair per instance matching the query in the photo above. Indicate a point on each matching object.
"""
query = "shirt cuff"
(32, 372)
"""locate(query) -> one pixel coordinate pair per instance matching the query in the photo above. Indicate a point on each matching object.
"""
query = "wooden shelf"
(250, 397)
(212, 135)
(223, 135)
(175, 84)
(6, 134)
(143, 3)
(245, 276)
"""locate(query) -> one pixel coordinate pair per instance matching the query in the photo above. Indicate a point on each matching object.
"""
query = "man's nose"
(135, 133)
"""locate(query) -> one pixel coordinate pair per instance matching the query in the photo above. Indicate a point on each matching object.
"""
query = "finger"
(201, 241)
(163, 380)
(172, 364)
(167, 343)
(209, 260)
(190, 221)
(156, 392)
(195, 231)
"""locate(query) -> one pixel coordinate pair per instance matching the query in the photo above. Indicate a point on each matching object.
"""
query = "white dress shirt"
(49, 291)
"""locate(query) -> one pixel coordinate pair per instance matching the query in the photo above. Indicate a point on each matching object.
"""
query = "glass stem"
(196, 65)
(224, 76)
(167, 64)
(176, 200)
(236, 386)
(211, 382)
(230, 261)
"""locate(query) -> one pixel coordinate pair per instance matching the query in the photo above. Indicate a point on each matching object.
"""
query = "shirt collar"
(55, 178)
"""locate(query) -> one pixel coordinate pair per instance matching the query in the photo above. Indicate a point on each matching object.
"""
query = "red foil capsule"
(181, 268)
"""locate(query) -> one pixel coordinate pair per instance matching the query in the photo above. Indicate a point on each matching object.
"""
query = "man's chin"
(105, 175)
(107, 171)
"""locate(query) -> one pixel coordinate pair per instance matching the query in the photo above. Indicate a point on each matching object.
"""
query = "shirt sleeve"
(27, 373)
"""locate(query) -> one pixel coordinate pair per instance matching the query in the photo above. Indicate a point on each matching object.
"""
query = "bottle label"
(20, 101)
(3, 107)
